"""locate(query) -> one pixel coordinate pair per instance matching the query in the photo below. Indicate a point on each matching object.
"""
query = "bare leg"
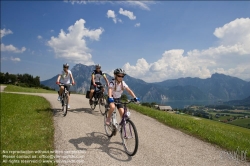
(111, 109)
(61, 90)
(91, 94)
(121, 111)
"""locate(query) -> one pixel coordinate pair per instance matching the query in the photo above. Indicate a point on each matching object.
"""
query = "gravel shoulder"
(80, 139)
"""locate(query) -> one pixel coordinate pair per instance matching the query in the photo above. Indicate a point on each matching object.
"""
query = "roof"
(164, 107)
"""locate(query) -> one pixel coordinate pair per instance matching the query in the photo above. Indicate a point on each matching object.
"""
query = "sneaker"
(59, 98)
(68, 106)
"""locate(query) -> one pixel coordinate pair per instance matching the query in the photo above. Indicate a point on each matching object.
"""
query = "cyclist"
(116, 87)
(95, 80)
(64, 78)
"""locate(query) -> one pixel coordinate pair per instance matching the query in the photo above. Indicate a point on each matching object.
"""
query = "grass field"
(241, 122)
(13, 88)
(228, 137)
(26, 125)
(238, 122)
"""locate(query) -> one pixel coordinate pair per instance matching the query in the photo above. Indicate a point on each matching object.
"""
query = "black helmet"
(66, 65)
(119, 71)
(98, 66)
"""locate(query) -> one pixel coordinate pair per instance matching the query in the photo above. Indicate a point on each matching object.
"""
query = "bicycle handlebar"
(129, 101)
(62, 84)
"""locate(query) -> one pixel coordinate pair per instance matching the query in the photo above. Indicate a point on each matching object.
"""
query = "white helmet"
(119, 71)
(66, 65)
(98, 66)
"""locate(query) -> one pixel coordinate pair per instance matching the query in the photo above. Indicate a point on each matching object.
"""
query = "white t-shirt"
(65, 78)
(119, 91)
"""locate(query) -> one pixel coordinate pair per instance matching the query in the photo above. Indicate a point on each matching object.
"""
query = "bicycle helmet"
(98, 66)
(66, 65)
(119, 71)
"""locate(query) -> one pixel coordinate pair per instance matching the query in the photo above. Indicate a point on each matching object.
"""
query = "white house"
(165, 108)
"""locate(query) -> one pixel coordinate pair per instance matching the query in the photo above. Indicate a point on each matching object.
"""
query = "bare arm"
(110, 92)
(106, 80)
(93, 78)
(73, 81)
(58, 78)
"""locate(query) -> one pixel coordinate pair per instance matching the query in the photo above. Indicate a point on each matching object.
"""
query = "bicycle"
(126, 128)
(99, 99)
(64, 98)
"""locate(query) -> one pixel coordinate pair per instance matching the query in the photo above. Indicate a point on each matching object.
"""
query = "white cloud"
(5, 32)
(231, 57)
(235, 32)
(141, 4)
(11, 48)
(76, 1)
(72, 45)
(111, 14)
(39, 37)
(15, 59)
(137, 24)
(144, 5)
(127, 13)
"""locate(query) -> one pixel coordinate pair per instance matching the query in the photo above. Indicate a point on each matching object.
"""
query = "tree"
(37, 81)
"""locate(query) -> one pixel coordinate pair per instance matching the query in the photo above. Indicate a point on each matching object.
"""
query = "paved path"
(81, 137)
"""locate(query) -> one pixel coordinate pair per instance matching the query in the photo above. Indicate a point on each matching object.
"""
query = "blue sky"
(151, 40)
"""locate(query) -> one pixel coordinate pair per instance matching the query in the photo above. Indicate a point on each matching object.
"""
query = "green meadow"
(229, 137)
(26, 125)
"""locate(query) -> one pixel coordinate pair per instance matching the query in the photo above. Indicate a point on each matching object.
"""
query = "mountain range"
(217, 87)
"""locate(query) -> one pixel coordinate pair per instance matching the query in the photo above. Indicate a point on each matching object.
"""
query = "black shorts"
(67, 87)
(117, 100)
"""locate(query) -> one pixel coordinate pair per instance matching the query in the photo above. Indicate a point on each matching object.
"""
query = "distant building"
(164, 108)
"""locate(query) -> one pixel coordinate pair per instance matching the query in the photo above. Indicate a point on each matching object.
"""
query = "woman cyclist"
(64, 78)
(116, 87)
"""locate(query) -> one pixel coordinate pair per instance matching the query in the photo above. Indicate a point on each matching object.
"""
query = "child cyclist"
(116, 87)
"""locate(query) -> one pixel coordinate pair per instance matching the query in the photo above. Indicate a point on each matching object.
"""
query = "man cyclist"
(116, 87)
(64, 78)
(95, 80)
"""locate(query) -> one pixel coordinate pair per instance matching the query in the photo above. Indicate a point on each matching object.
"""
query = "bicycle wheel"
(129, 138)
(108, 128)
(93, 105)
(65, 105)
(102, 103)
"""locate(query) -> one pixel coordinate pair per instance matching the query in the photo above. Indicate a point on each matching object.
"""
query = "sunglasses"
(119, 76)
(98, 68)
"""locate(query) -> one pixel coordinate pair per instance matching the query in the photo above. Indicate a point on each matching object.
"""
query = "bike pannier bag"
(87, 94)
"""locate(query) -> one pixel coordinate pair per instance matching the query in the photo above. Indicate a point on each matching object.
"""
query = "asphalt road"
(80, 140)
